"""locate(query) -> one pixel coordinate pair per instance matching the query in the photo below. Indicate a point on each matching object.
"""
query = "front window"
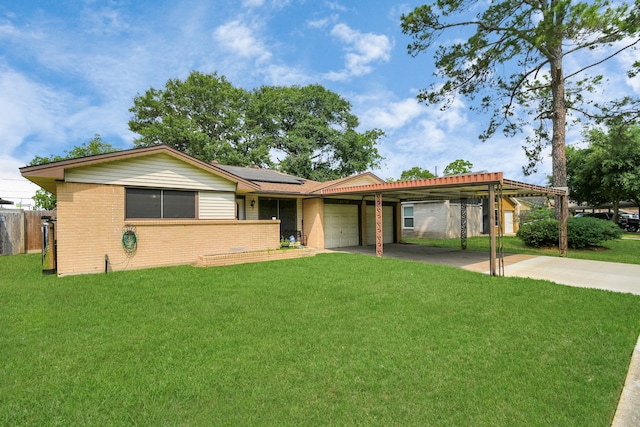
(407, 216)
(154, 203)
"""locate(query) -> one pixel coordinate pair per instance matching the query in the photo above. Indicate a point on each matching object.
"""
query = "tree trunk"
(558, 152)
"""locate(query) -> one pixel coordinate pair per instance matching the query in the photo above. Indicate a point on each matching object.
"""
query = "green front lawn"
(626, 250)
(336, 339)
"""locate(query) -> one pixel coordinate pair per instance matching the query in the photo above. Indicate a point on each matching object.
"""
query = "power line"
(14, 191)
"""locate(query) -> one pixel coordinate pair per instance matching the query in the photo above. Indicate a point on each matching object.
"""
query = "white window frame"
(405, 217)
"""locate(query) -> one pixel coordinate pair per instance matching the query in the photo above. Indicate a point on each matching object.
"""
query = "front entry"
(282, 209)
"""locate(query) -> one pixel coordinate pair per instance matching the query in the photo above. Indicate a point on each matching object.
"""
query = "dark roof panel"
(261, 175)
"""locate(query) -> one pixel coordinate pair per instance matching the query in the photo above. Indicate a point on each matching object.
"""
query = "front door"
(282, 209)
(508, 222)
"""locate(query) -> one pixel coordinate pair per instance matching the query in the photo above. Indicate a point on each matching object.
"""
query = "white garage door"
(340, 226)
(387, 224)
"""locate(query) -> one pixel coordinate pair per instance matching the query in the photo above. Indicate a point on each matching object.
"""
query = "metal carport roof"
(490, 185)
(467, 186)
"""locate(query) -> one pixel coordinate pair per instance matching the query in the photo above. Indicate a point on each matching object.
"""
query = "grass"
(336, 339)
(625, 251)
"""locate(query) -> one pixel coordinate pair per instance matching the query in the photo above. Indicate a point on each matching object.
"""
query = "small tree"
(415, 173)
(458, 167)
(44, 199)
(608, 170)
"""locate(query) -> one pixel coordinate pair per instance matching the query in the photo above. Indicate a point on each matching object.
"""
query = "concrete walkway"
(609, 276)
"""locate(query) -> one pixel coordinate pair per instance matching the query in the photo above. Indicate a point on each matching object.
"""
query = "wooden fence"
(21, 231)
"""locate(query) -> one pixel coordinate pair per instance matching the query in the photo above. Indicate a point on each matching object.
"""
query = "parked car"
(629, 222)
(599, 215)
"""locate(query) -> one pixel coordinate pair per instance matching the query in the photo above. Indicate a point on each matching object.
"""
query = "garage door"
(387, 224)
(341, 226)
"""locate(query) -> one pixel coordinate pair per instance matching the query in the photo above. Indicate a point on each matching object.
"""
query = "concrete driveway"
(611, 276)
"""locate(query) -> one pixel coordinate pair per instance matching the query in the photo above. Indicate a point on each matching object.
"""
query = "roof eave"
(48, 173)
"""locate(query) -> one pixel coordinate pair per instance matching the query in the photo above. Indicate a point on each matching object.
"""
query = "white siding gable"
(157, 171)
(360, 180)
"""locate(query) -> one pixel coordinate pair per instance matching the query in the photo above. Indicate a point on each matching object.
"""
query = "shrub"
(535, 215)
(582, 232)
(539, 234)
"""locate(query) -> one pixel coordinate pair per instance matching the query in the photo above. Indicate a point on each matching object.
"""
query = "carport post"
(492, 230)
(379, 239)
(463, 224)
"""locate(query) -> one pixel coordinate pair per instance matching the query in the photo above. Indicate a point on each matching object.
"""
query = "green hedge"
(582, 232)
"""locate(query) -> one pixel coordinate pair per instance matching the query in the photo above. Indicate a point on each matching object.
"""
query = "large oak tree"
(312, 132)
(304, 131)
(203, 116)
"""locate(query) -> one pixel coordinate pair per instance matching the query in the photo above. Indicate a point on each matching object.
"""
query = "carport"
(485, 185)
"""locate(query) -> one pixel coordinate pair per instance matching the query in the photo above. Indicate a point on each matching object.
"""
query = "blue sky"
(70, 69)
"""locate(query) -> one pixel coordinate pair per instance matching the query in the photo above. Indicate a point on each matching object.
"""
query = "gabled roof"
(467, 186)
(349, 181)
(5, 202)
(274, 182)
(47, 174)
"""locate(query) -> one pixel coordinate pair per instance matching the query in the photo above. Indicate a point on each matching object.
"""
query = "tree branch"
(599, 62)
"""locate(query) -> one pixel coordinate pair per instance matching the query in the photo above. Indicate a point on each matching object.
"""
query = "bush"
(535, 214)
(582, 232)
(539, 234)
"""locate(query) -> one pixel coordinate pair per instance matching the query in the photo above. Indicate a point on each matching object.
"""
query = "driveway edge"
(628, 412)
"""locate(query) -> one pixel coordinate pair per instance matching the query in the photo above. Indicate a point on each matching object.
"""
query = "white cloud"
(282, 75)
(104, 21)
(13, 186)
(336, 6)
(393, 115)
(336, 76)
(322, 23)
(239, 39)
(252, 3)
(363, 49)
(25, 110)
(626, 59)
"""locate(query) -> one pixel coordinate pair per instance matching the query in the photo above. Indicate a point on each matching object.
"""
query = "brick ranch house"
(156, 206)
